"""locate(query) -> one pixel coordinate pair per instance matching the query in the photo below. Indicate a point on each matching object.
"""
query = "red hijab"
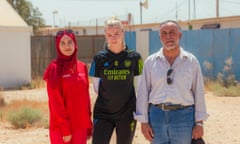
(62, 63)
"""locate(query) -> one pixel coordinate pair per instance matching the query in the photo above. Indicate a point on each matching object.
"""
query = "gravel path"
(222, 127)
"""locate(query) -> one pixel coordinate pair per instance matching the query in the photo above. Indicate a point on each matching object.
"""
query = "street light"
(54, 13)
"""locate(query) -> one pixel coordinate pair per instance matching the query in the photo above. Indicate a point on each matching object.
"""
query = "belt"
(164, 106)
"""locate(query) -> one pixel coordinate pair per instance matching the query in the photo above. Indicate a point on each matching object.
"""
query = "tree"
(31, 15)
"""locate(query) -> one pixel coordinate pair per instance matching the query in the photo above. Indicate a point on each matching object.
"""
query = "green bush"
(24, 117)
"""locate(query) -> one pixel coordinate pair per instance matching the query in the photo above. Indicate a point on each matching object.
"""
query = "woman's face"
(114, 35)
(66, 46)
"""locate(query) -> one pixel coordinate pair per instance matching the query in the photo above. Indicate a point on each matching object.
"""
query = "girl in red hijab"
(69, 100)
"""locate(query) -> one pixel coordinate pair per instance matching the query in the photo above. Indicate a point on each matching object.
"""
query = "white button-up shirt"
(187, 87)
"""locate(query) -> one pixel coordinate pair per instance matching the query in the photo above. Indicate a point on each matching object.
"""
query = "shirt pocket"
(185, 77)
(158, 76)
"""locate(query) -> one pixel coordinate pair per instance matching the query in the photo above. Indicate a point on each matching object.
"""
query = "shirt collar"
(183, 54)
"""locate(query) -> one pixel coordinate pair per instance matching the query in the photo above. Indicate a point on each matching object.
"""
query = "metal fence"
(213, 46)
(43, 51)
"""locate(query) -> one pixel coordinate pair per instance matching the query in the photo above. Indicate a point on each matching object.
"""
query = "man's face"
(170, 35)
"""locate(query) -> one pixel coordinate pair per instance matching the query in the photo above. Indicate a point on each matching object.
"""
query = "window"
(211, 26)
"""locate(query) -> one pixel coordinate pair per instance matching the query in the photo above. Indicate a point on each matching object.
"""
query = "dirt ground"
(222, 126)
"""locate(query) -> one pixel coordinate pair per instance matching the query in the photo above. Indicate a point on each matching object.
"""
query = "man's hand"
(197, 131)
(147, 131)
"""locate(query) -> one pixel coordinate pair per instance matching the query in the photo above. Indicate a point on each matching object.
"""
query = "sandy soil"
(222, 127)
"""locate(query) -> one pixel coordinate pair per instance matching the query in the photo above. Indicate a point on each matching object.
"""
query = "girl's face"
(114, 35)
(66, 46)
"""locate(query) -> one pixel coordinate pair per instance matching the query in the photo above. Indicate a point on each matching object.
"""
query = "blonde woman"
(113, 70)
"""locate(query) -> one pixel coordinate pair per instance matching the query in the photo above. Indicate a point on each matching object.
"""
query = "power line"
(102, 0)
(209, 5)
(168, 14)
(232, 2)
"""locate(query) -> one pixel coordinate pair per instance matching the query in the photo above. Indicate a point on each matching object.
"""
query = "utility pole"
(176, 11)
(54, 13)
(189, 16)
(140, 12)
(189, 9)
(145, 5)
(217, 8)
(194, 7)
(96, 26)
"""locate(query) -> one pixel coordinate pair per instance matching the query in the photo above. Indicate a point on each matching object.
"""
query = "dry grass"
(219, 108)
(37, 82)
(19, 104)
(219, 90)
(2, 101)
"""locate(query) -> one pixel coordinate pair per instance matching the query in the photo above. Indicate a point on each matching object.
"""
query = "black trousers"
(103, 130)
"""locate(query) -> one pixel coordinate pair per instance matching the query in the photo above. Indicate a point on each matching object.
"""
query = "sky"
(95, 12)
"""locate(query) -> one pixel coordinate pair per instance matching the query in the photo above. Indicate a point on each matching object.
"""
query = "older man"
(170, 97)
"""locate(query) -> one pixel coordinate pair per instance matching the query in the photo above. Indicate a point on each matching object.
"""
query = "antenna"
(145, 4)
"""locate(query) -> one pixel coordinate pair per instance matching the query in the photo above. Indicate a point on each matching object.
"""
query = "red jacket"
(69, 101)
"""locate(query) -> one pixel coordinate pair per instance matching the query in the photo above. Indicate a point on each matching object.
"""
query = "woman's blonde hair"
(113, 21)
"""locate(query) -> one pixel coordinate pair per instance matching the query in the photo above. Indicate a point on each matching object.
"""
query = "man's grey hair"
(170, 21)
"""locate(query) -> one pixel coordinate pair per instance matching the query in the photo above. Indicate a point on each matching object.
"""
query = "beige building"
(15, 54)
(220, 22)
(223, 22)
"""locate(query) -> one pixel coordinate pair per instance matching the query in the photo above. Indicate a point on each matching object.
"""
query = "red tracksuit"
(69, 106)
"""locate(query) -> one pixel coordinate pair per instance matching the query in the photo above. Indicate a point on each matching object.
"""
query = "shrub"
(226, 83)
(1, 116)
(24, 117)
(37, 82)
(226, 78)
(2, 101)
(45, 123)
(208, 69)
(220, 90)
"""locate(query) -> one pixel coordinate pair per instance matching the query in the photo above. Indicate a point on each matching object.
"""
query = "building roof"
(9, 17)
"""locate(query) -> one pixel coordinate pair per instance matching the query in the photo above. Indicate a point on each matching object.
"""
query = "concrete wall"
(43, 51)
(212, 46)
(225, 22)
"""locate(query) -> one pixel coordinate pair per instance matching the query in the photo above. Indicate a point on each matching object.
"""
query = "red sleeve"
(58, 113)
